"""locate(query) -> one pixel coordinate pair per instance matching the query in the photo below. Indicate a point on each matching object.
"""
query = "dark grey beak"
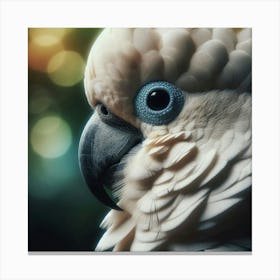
(104, 141)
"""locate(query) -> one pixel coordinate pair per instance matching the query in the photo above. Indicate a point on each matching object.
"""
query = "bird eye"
(159, 102)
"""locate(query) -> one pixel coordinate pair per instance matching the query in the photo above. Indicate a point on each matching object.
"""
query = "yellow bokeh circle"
(51, 137)
(66, 68)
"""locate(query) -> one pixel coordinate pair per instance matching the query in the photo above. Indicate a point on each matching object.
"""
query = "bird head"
(163, 99)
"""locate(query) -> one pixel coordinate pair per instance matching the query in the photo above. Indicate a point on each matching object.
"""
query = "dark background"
(62, 213)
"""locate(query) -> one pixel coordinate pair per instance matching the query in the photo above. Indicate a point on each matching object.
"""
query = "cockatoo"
(170, 136)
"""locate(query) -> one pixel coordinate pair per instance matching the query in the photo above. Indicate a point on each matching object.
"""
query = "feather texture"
(191, 178)
(194, 59)
(194, 184)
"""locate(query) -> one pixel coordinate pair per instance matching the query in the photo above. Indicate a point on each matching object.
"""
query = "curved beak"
(103, 143)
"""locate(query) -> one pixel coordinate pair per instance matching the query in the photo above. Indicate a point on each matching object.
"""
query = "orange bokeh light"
(43, 44)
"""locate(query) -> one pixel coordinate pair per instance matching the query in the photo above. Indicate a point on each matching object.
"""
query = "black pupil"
(158, 99)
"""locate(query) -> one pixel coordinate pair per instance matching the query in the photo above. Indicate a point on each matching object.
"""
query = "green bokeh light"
(63, 215)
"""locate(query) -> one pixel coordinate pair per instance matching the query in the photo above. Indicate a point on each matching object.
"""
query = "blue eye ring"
(171, 99)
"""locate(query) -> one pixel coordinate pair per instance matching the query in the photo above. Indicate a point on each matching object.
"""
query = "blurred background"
(62, 213)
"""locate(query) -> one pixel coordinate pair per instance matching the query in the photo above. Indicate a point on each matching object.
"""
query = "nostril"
(109, 118)
(104, 110)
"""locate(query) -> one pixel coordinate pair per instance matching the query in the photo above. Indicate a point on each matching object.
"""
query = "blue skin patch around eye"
(159, 103)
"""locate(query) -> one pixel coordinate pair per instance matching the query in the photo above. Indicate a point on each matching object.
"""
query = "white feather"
(217, 208)
(233, 191)
(197, 168)
(179, 152)
(115, 235)
(200, 169)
